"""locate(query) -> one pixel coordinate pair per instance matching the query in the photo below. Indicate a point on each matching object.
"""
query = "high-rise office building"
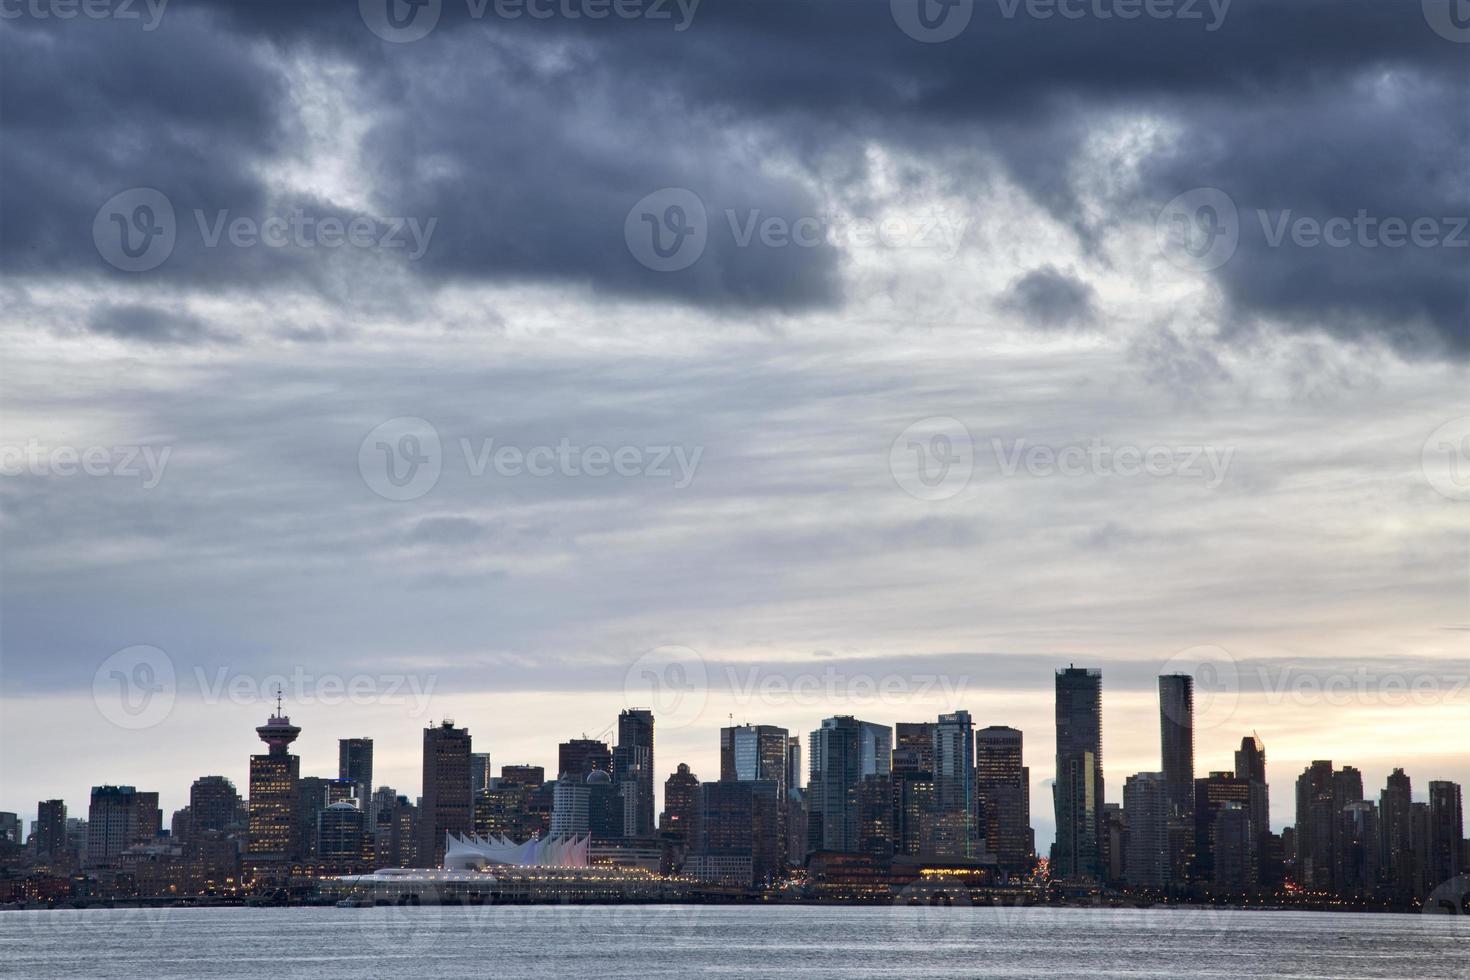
(274, 803)
(481, 774)
(916, 738)
(1322, 793)
(1250, 766)
(341, 835)
(844, 752)
(633, 770)
(1078, 794)
(1211, 795)
(1395, 809)
(954, 787)
(214, 805)
(1360, 849)
(579, 756)
(1235, 850)
(1146, 807)
(504, 809)
(112, 823)
(751, 752)
(355, 762)
(680, 799)
(51, 832)
(734, 835)
(1003, 791)
(445, 805)
(1446, 832)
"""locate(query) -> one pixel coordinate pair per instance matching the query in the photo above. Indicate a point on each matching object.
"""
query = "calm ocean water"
(681, 941)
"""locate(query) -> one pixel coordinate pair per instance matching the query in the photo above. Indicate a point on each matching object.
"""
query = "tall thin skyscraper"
(1446, 831)
(274, 779)
(446, 806)
(355, 762)
(480, 773)
(1395, 810)
(1176, 739)
(633, 770)
(1003, 789)
(1079, 793)
(954, 786)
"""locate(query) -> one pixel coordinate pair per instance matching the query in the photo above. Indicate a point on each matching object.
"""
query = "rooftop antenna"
(278, 701)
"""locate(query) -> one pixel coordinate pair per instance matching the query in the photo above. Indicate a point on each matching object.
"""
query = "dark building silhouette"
(1078, 795)
(445, 805)
(50, 832)
(681, 791)
(579, 756)
(749, 752)
(214, 805)
(1146, 808)
(1003, 791)
(355, 762)
(1446, 832)
(734, 835)
(1395, 812)
(633, 770)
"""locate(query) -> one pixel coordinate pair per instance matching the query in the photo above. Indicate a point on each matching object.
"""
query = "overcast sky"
(447, 360)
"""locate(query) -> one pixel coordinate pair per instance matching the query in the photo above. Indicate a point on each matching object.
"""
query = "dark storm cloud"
(1048, 297)
(149, 324)
(530, 140)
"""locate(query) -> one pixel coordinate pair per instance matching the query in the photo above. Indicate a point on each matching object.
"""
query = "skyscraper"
(480, 773)
(1322, 793)
(680, 791)
(1176, 740)
(213, 805)
(844, 752)
(445, 804)
(954, 786)
(633, 770)
(51, 832)
(355, 762)
(751, 752)
(1395, 810)
(273, 792)
(112, 823)
(1211, 795)
(1003, 789)
(1446, 832)
(1146, 807)
(1079, 793)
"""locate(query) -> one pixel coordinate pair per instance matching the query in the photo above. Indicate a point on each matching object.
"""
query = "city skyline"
(1281, 774)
